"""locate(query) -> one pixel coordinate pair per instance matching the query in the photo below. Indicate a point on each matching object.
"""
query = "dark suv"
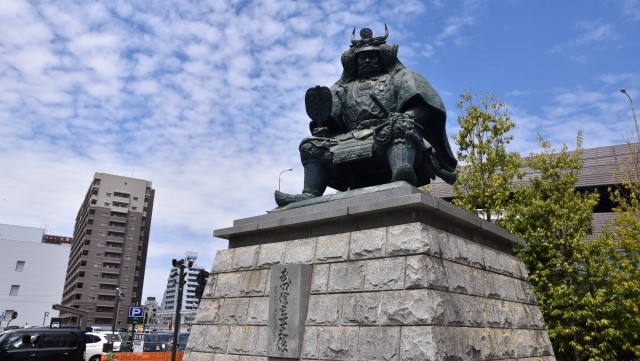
(43, 344)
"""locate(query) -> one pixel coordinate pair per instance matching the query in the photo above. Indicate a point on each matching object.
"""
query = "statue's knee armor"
(312, 153)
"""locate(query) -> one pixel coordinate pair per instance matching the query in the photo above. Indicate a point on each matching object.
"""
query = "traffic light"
(201, 280)
(169, 325)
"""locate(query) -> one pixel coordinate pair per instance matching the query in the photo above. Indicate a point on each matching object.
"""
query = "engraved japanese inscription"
(288, 303)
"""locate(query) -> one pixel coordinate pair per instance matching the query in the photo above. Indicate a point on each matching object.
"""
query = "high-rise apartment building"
(109, 249)
(190, 302)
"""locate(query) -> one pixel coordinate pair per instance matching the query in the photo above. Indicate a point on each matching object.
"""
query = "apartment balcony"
(116, 227)
(105, 293)
(104, 314)
(110, 280)
(118, 241)
(118, 216)
(116, 234)
(113, 248)
(110, 273)
(118, 199)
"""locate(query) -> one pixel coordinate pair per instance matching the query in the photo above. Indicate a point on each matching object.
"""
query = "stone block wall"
(403, 292)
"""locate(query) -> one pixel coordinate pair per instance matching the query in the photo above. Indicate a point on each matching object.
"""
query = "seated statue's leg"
(316, 176)
(401, 154)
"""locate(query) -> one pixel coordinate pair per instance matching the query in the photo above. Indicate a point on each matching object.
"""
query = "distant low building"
(33, 273)
(151, 308)
(49, 238)
(600, 170)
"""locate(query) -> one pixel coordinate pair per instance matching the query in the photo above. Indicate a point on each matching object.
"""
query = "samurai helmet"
(367, 41)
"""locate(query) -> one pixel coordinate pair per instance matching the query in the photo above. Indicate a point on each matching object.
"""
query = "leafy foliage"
(484, 183)
(569, 274)
(626, 233)
(588, 290)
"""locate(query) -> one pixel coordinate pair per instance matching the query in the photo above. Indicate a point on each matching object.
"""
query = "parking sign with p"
(136, 311)
(136, 314)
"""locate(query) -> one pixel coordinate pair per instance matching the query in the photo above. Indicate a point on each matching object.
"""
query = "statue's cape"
(413, 87)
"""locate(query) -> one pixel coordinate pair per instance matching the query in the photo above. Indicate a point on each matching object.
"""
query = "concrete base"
(430, 282)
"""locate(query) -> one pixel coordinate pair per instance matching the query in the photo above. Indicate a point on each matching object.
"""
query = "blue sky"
(206, 98)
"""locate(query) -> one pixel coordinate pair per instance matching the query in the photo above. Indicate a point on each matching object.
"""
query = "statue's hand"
(320, 132)
(400, 117)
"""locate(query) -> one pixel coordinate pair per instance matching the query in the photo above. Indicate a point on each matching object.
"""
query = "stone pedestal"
(396, 275)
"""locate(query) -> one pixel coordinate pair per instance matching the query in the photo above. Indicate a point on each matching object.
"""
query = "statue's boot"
(315, 183)
(401, 155)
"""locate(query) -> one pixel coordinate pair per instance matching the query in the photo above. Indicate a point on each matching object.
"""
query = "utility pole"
(119, 298)
(181, 282)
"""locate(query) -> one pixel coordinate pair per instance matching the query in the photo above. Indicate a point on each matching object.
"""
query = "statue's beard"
(367, 71)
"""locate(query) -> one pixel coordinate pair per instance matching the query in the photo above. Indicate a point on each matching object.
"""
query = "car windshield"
(164, 337)
(114, 336)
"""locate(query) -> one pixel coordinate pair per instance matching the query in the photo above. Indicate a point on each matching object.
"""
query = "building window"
(92, 298)
(103, 223)
(127, 257)
(97, 265)
(130, 238)
(95, 275)
(135, 198)
(14, 290)
(125, 268)
(129, 247)
(19, 266)
(100, 244)
(132, 228)
(133, 218)
(98, 254)
(93, 287)
(108, 194)
(134, 208)
(125, 278)
(107, 204)
(105, 214)
(102, 234)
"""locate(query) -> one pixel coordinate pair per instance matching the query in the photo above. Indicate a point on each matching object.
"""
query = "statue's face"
(368, 63)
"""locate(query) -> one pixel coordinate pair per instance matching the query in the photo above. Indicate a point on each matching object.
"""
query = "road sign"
(136, 311)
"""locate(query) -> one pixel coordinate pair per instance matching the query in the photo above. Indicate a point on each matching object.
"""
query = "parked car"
(183, 337)
(113, 338)
(43, 344)
(157, 341)
(95, 342)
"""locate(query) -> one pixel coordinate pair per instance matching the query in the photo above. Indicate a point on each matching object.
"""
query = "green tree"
(484, 181)
(626, 234)
(569, 274)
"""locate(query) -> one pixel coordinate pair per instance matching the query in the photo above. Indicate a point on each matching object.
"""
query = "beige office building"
(109, 250)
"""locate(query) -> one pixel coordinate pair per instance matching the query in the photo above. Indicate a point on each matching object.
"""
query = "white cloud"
(205, 99)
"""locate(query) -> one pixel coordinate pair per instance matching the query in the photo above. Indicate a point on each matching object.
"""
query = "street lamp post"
(119, 297)
(176, 323)
(45, 317)
(633, 111)
(279, 175)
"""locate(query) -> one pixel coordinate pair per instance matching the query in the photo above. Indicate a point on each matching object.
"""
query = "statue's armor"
(356, 105)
